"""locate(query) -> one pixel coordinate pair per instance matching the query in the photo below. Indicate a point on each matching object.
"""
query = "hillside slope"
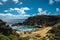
(42, 20)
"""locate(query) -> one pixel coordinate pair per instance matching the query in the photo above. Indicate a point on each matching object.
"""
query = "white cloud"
(40, 10)
(34, 14)
(20, 10)
(21, 3)
(8, 14)
(1, 3)
(25, 8)
(57, 9)
(43, 12)
(57, 0)
(27, 15)
(16, 1)
(16, 8)
(11, 9)
(51, 2)
(12, 16)
(4, 0)
(5, 10)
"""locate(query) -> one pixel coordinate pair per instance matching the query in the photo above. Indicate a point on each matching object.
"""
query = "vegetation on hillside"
(55, 33)
(7, 33)
(42, 20)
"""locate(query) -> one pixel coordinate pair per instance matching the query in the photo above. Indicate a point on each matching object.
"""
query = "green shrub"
(3, 37)
(13, 37)
(9, 37)
(24, 38)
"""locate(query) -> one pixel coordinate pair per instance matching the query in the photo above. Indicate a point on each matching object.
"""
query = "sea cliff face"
(42, 20)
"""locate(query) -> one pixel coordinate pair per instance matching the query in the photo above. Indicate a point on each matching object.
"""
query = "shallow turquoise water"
(25, 28)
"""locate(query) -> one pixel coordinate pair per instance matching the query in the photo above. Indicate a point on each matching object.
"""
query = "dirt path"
(42, 32)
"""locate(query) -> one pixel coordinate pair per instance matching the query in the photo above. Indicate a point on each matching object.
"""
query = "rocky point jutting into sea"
(43, 20)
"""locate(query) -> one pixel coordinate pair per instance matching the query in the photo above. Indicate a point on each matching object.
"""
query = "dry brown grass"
(37, 34)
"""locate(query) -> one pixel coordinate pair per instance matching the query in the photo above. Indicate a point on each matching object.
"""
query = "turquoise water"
(25, 28)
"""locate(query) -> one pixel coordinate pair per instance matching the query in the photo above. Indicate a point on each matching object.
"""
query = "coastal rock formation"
(42, 20)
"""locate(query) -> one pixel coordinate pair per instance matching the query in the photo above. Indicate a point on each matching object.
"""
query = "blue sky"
(22, 9)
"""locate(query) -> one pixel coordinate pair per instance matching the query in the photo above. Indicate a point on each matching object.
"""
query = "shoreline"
(41, 31)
